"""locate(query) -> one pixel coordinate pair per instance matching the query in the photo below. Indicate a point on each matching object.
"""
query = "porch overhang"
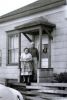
(37, 26)
(32, 27)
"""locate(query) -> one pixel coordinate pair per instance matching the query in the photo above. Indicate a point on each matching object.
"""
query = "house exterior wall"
(58, 44)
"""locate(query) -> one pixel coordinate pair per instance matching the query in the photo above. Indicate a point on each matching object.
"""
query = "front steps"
(42, 91)
(2, 81)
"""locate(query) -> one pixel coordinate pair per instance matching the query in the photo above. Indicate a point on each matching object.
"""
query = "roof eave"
(13, 16)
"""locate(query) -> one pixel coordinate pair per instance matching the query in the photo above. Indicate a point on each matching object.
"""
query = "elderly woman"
(26, 62)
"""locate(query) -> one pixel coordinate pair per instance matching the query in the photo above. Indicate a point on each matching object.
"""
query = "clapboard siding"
(58, 44)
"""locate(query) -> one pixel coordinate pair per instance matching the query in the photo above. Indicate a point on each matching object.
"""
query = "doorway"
(26, 42)
(37, 26)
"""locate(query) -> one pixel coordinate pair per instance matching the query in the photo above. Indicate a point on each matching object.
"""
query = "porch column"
(40, 54)
(49, 52)
(19, 56)
(40, 46)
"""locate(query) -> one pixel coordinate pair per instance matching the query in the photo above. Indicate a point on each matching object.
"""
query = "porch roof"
(31, 27)
(36, 22)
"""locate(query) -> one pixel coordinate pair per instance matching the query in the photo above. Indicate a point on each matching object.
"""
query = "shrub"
(61, 78)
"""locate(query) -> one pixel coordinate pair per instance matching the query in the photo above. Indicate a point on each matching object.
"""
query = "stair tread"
(46, 98)
(54, 98)
(20, 84)
(48, 95)
(34, 98)
(50, 84)
(41, 91)
(39, 87)
(30, 93)
(53, 91)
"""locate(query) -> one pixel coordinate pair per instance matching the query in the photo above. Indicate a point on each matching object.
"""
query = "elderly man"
(35, 55)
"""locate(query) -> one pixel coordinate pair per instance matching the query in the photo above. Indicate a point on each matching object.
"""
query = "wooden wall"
(58, 44)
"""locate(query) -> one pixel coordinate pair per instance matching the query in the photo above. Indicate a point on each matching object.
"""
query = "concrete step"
(50, 84)
(2, 81)
(46, 95)
(41, 91)
(18, 86)
(54, 98)
(29, 93)
(58, 92)
(45, 98)
(38, 87)
(34, 98)
(48, 90)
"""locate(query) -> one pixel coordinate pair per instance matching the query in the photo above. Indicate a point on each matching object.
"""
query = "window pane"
(11, 56)
(16, 42)
(13, 49)
(16, 56)
(11, 40)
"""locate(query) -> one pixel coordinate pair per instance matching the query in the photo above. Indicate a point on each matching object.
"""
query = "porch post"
(19, 56)
(40, 46)
(49, 52)
(40, 54)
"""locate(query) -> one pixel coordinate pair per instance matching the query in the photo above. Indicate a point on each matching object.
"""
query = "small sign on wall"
(44, 50)
(44, 59)
(44, 55)
(44, 63)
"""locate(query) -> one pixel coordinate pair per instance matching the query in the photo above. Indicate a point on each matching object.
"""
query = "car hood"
(7, 93)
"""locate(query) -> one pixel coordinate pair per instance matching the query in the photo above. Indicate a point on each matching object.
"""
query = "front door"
(44, 57)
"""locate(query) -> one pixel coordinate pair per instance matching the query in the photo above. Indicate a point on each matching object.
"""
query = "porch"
(39, 27)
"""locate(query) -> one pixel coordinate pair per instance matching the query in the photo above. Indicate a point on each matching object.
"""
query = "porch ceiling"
(32, 26)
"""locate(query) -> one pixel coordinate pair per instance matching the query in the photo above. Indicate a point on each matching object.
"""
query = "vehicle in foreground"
(7, 93)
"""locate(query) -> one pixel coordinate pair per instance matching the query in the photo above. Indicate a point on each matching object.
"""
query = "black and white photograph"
(33, 49)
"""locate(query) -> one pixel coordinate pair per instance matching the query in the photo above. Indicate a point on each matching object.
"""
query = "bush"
(61, 78)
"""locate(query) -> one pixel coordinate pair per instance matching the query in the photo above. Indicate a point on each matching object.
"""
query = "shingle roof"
(36, 7)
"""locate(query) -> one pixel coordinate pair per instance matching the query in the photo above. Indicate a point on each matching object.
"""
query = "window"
(0, 57)
(13, 49)
(44, 55)
(44, 50)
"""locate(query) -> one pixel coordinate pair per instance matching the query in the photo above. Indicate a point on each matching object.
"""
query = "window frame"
(10, 33)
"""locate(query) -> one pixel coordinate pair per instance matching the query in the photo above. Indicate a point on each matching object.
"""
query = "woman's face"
(26, 51)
